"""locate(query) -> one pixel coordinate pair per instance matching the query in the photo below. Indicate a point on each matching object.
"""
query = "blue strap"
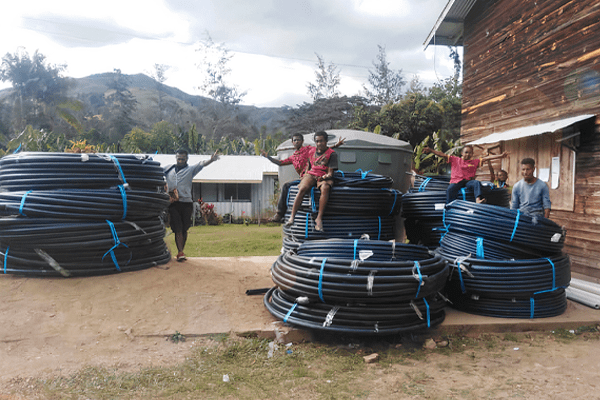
(117, 244)
(462, 283)
(121, 174)
(342, 173)
(18, 148)
(23, 203)
(424, 184)
(290, 312)
(532, 300)
(6, 257)
(480, 252)
(379, 233)
(312, 199)
(124, 198)
(516, 224)
(355, 244)
(553, 273)
(321, 280)
(464, 194)
(444, 218)
(306, 227)
(428, 313)
(420, 278)
(395, 199)
(363, 174)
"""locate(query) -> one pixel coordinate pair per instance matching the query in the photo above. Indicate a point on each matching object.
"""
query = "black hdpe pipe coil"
(47, 171)
(340, 279)
(510, 278)
(423, 204)
(425, 231)
(57, 248)
(541, 305)
(351, 201)
(114, 203)
(340, 226)
(455, 245)
(430, 183)
(384, 319)
(504, 225)
(361, 178)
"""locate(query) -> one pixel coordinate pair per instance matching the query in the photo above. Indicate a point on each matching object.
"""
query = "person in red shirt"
(463, 170)
(322, 164)
(299, 159)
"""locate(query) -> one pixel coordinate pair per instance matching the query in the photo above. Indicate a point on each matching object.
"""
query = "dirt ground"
(56, 326)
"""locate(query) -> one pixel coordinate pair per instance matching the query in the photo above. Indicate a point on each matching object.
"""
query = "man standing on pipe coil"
(179, 184)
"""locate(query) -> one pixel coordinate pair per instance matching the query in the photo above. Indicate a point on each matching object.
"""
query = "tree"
(215, 60)
(333, 113)
(385, 84)
(328, 80)
(122, 105)
(159, 74)
(37, 85)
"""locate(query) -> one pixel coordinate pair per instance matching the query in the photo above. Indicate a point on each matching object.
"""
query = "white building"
(234, 184)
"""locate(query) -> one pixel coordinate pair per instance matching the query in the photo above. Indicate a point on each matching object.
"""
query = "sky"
(273, 43)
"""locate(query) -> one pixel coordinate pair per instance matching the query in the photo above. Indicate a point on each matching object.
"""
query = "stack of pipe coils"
(360, 203)
(355, 286)
(65, 214)
(505, 263)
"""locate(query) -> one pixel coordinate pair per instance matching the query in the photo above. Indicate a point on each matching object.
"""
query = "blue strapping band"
(516, 224)
(321, 280)
(5, 257)
(532, 300)
(553, 273)
(23, 203)
(464, 194)
(395, 199)
(379, 233)
(444, 218)
(121, 174)
(117, 244)
(342, 172)
(124, 198)
(420, 278)
(306, 227)
(428, 313)
(480, 252)
(18, 148)
(462, 283)
(424, 184)
(355, 244)
(312, 199)
(290, 312)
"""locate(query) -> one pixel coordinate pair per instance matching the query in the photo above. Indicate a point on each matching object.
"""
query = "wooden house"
(531, 86)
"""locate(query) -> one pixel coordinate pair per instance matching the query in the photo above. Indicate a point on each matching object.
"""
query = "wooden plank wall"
(530, 62)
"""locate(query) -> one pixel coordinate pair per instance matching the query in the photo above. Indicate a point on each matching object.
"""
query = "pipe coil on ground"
(385, 319)
(504, 225)
(48, 171)
(351, 201)
(46, 247)
(359, 271)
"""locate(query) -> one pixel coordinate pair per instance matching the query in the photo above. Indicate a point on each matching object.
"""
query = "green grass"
(230, 240)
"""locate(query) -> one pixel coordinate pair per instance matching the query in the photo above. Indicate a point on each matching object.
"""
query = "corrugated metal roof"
(533, 130)
(227, 169)
(449, 27)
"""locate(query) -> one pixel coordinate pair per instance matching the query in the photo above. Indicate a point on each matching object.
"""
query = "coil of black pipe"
(425, 231)
(352, 200)
(540, 305)
(47, 171)
(81, 214)
(430, 183)
(362, 179)
(384, 319)
(340, 226)
(504, 225)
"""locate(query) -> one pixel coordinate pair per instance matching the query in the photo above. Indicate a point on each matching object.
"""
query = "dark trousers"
(283, 198)
(454, 188)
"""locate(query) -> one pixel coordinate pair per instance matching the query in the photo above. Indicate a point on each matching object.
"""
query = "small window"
(237, 191)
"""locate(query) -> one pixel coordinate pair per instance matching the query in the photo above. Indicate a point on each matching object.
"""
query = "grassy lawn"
(230, 240)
